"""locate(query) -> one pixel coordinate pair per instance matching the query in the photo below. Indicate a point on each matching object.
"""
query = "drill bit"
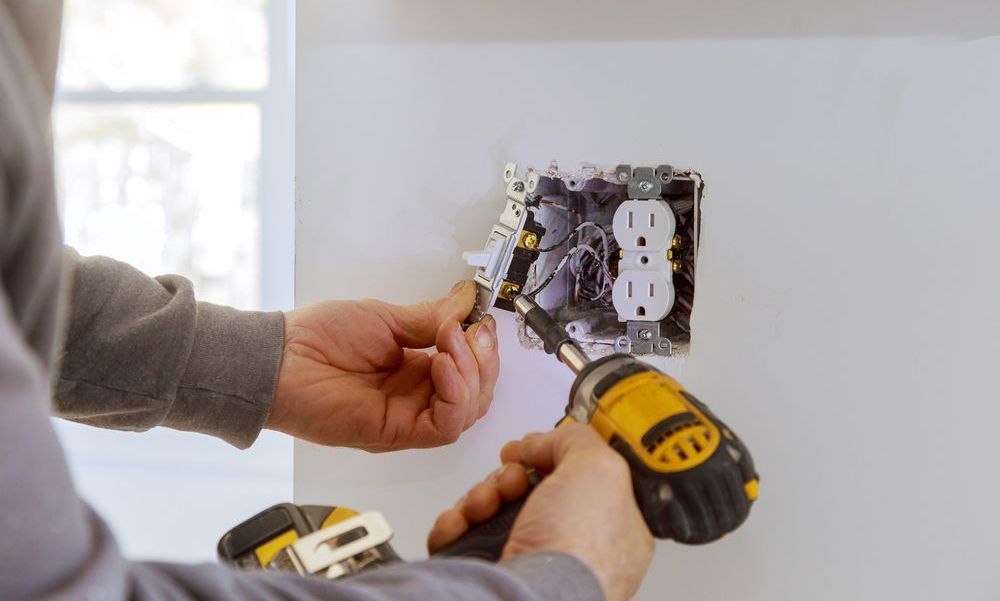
(555, 339)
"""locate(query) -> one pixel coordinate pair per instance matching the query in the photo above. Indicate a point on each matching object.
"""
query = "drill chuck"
(555, 339)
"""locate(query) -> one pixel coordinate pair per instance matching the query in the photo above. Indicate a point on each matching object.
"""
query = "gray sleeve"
(141, 352)
(55, 548)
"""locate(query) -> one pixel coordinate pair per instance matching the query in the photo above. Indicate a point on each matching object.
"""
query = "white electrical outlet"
(643, 290)
(644, 225)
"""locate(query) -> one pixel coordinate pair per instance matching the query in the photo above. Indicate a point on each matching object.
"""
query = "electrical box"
(610, 252)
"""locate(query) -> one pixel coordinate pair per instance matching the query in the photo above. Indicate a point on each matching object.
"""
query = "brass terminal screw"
(676, 241)
(529, 240)
(676, 266)
(508, 290)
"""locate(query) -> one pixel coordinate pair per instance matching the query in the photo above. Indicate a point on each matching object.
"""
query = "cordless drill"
(693, 479)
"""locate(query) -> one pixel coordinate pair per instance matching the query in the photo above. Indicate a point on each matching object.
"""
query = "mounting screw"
(622, 176)
(645, 334)
(519, 186)
(645, 186)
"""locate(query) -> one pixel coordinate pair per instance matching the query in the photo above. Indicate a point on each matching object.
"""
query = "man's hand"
(584, 506)
(351, 374)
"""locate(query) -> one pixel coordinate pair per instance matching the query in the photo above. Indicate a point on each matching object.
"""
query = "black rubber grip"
(487, 540)
(551, 333)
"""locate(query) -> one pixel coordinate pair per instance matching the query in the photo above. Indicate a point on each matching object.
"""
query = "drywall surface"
(846, 320)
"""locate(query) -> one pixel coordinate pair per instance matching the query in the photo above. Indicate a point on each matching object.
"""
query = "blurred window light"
(164, 44)
(168, 188)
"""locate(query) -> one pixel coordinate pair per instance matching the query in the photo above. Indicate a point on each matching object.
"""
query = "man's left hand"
(352, 373)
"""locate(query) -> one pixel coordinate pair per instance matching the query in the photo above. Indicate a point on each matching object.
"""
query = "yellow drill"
(694, 479)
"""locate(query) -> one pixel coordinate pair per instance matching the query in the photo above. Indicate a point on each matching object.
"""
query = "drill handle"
(487, 540)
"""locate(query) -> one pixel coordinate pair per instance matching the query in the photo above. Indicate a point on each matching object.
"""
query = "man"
(135, 353)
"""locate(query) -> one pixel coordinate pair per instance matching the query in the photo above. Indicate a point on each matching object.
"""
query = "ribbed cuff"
(228, 385)
(556, 576)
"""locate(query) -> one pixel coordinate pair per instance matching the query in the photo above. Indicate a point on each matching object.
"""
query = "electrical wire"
(607, 282)
(570, 233)
(548, 279)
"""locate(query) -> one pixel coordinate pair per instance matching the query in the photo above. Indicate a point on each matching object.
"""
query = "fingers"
(544, 452)
(448, 528)
(506, 484)
(463, 375)
(451, 340)
(444, 420)
(477, 358)
(482, 339)
(416, 326)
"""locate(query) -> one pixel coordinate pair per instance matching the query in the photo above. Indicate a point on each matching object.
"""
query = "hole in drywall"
(588, 284)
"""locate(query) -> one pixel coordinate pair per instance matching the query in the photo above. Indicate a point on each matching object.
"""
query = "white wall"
(845, 321)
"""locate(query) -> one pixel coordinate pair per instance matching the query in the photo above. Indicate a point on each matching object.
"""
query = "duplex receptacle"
(644, 289)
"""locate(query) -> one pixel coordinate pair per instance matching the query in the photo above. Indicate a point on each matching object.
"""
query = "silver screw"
(519, 186)
(645, 334)
(622, 176)
(645, 186)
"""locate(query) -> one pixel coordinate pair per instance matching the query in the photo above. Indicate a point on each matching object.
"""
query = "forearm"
(141, 352)
(540, 577)
(58, 549)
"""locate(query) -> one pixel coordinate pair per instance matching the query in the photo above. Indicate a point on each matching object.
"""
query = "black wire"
(548, 279)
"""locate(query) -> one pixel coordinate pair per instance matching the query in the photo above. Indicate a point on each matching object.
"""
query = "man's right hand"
(584, 507)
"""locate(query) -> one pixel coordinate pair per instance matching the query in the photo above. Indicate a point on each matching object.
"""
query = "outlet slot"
(640, 311)
(641, 240)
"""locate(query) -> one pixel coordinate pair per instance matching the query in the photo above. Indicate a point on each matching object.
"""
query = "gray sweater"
(137, 353)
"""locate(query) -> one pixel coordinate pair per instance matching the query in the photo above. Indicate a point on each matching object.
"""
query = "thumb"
(416, 326)
(544, 452)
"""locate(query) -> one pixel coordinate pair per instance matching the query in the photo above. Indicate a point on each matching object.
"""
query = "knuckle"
(451, 434)
(609, 462)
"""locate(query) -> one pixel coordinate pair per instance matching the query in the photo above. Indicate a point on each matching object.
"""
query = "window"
(173, 127)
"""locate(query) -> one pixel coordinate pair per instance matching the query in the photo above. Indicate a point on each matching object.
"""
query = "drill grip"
(487, 540)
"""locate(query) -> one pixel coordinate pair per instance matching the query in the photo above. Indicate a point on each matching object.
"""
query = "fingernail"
(458, 286)
(484, 336)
